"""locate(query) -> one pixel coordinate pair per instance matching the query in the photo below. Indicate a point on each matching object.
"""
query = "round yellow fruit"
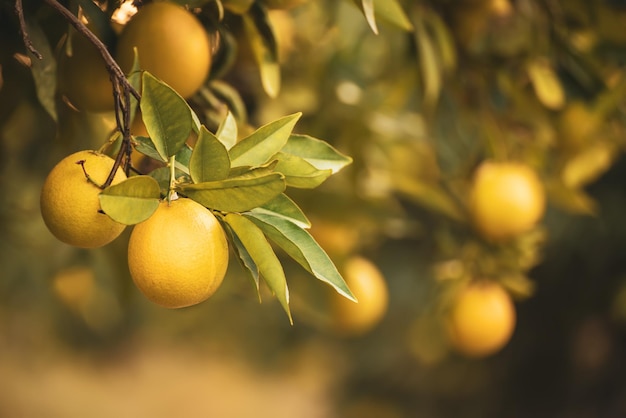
(506, 199)
(482, 319)
(172, 45)
(83, 77)
(70, 206)
(370, 288)
(178, 257)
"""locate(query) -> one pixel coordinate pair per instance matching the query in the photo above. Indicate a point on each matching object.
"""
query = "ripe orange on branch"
(482, 319)
(69, 201)
(172, 45)
(369, 287)
(178, 257)
(506, 199)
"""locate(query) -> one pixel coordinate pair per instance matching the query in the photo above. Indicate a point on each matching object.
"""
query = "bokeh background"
(537, 81)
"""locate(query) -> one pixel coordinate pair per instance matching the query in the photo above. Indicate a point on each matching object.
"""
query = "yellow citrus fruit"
(370, 288)
(70, 206)
(178, 257)
(506, 199)
(172, 45)
(83, 77)
(482, 319)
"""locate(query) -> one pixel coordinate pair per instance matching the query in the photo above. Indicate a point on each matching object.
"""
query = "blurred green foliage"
(418, 106)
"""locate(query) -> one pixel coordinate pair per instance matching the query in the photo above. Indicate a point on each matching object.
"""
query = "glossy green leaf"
(246, 261)
(209, 159)
(263, 256)
(298, 172)
(282, 206)
(257, 148)
(227, 132)
(318, 153)
(264, 48)
(166, 116)
(237, 194)
(132, 201)
(301, 246)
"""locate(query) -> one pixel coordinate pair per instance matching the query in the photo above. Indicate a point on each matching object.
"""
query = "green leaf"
(263, 256)
(298, 172)
(367, 6)
(301, 246)
(237, 194)
(227, 131)
(166, 116)
(282, 206)
(429, 63)
(209, 159)
(430, 196)
(318, 153)
(546, 83)
(44, 70)
(392, 12)
(132, 201)
(264, 48)
(147, 147)
(246, 261)
(258, 147)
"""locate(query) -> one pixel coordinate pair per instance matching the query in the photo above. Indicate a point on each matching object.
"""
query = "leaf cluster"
(242, 180)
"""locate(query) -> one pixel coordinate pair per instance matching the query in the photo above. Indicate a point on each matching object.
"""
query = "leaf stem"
(171, 194)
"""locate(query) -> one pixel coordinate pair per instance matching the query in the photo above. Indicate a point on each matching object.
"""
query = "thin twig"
(111, 64)
(28, 43)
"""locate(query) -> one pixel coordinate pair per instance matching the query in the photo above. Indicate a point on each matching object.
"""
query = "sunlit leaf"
(367, 6)
(282, 206)
(264, 48)
(236, 194)
(263, 256)
(301, 246)
(257, 148)
(318, 153)
(588, 164)
(166, 116)
(429, 63)
(131, 201)
(227, 132)
(209, 159)
(392, 12)
(298, 172)
(546, 83)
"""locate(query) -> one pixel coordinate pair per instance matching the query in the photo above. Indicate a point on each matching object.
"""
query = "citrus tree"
(490, 117)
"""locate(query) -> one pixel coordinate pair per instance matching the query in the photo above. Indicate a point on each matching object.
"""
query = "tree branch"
(28, 43)
(112, 66)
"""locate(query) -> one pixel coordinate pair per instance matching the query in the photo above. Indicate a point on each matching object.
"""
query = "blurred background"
(442, 86)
